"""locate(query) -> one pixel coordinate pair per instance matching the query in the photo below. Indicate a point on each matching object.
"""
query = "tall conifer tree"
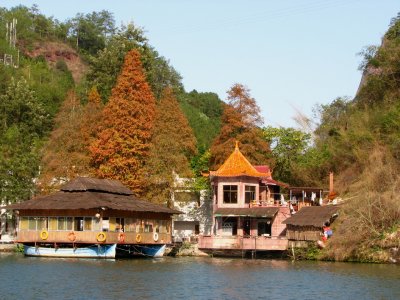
(173, 145)
(241, 120)
(123, 141)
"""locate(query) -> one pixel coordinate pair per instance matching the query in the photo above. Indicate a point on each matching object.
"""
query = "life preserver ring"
(155, 236)
(44, 234)
(138, 238)
(101, 237)
(72, 236)
(121, 237)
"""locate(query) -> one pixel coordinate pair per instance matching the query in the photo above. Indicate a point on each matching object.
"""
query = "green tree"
(288, 146)
(106, 66)
(203, 111)
(23, 122)
(172, 146)
(90, 31)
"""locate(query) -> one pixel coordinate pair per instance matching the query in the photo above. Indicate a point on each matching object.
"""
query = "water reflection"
(193, 278)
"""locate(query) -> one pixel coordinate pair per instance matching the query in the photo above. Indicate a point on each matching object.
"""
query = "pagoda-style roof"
(238, 165)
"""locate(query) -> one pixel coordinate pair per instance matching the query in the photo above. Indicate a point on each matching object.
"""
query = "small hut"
(307, 224)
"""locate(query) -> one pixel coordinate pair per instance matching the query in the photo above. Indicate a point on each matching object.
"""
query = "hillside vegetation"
(56, 86)
(360, 140)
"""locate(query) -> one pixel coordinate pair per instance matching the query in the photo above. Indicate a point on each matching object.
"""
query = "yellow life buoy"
(44, 234)
(101, 237)
(72, 236)
(155, 236)
(138, 238)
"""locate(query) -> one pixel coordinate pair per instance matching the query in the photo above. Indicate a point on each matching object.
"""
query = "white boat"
(95, 251)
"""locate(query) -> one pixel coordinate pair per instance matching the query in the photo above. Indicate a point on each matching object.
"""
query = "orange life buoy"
(121, 237)
(138, 238)
(72, 236)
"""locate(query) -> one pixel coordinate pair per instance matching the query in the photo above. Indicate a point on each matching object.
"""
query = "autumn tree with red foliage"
(123, 142)
(172, 146)
(241, 121)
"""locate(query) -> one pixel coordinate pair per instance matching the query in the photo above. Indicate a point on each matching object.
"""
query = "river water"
(193, 278)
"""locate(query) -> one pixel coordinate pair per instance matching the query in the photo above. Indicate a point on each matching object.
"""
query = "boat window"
(41, 223)
(119, 224)
(61, 223)
(106, 224)
(32, 223)
(78, 224)
(87, 224)
(250, 193)
(139, 225)
(24, 223)
(69, 223)
(156, 226)
(52, 223)
(130, 224)
(162, 226)
(96, 224)
(112, 222)
(169, 226)
(230, 193)
(148, 226)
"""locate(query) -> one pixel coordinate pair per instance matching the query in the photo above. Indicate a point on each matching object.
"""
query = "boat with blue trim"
(92, 217)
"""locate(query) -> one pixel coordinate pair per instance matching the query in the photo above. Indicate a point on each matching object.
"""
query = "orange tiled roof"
(238, 165)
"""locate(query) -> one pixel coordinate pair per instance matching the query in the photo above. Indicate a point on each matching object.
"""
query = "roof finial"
(236, 145)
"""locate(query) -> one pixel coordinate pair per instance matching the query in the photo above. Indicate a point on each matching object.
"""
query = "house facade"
(247, 208)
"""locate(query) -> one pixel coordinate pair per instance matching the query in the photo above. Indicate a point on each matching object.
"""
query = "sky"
(292, 55)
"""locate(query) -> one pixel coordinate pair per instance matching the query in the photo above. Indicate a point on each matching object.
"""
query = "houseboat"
(92, 217)
(248, 209)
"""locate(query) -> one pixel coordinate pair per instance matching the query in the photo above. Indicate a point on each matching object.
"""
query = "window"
(23, 223)
(87, 224)
(148, 226)
(250, 193)
(230, 193)
(32, 223)
(61, 223)
(53, 223)
(130, 224)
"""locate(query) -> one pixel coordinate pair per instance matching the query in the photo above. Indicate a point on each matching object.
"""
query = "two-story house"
(248, 209)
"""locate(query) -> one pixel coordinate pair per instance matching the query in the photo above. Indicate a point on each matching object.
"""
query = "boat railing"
(92, 237)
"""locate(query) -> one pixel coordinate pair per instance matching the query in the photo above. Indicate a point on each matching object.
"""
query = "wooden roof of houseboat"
(315, 216)
(83, 184)
(267, 212)
(91, 193)
(238, 165)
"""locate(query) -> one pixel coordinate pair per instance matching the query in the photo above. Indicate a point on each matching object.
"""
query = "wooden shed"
(307, 224)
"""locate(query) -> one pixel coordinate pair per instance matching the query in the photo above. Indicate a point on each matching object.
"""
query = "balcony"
(260, 243)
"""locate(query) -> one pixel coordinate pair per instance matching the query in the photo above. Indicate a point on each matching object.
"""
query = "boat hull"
(141, 250)
(96, 251)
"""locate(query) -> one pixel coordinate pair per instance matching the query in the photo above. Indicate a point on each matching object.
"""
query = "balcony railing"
(243, 243)
(92, 237)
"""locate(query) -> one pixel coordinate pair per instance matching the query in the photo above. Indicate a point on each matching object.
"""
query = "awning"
(266, 212)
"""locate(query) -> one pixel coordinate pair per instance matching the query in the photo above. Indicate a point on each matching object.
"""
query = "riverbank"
(7, 247)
